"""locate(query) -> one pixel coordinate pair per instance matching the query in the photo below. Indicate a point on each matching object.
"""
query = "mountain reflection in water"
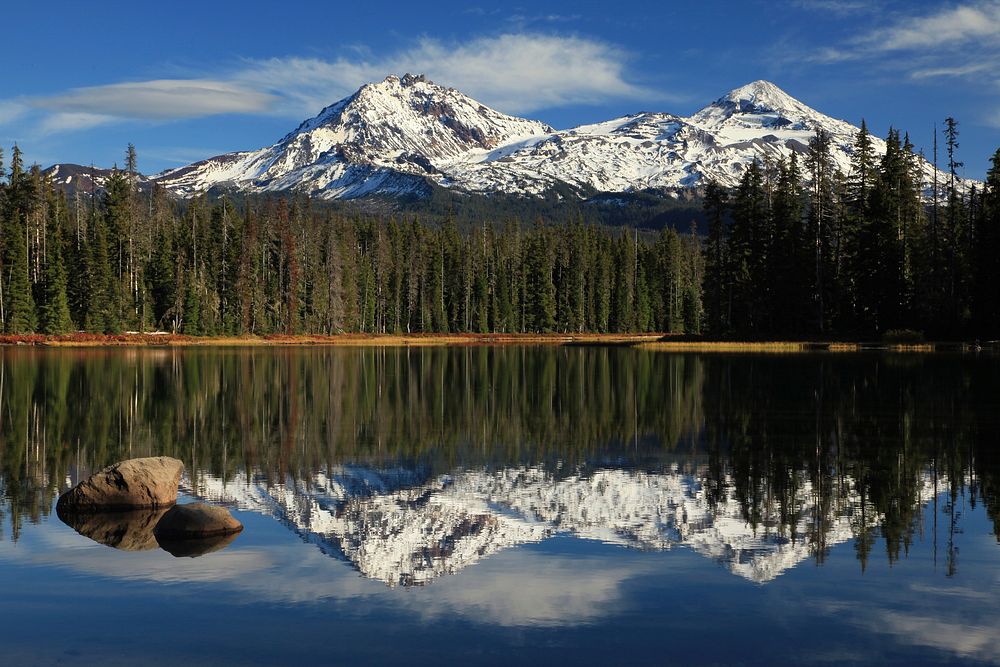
(414, 463)
(411, 535)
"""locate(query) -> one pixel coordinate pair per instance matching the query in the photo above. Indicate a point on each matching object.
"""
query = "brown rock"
(196, 520)
(125, 530)
(127, 485)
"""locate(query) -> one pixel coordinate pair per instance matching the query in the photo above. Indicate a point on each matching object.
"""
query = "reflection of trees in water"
(766, 425)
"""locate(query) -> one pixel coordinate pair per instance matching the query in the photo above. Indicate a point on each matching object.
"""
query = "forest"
(807, 250)
(798, 250)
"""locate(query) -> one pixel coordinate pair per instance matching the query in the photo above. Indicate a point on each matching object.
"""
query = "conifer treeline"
(134, 261)
(798, 249)
(804, 249)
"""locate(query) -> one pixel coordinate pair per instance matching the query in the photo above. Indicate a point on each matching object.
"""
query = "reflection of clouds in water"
(518, 587)
(521, 587)
(963, 621)
(981, 642)
(65, 549)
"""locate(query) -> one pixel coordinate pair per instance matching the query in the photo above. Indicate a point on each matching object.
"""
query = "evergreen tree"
(54, 317)
(822, 222)
(986, 304)
(748, 239)
(789, 258)
(717, 278)
(20, 304)
(100, 315)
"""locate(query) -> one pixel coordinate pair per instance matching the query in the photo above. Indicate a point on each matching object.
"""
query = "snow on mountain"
(397, 136)
(367, 143)
(405, 529)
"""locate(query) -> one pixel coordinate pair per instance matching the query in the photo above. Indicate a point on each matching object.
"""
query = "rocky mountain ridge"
(407, 528)
(400, 136)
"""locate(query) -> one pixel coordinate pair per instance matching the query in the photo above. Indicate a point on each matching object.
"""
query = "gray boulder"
(128, 485)
(196, 520)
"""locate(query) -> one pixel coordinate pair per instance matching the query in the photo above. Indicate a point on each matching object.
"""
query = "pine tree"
(539, 285)
(54, 317)
(716, 260)
(20, 304)
(986, 304)
(748, 239)
(953, 246)
(99, 316)
(822, 218)
(789, 260)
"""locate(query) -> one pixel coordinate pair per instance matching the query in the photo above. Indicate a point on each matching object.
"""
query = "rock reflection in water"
(192, 548)
(125, 530)
(133, 531)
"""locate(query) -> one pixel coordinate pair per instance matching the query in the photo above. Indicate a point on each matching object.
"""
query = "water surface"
(491, 504)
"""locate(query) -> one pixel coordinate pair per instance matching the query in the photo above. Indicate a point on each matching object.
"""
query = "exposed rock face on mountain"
(385, 138)
(127, 485)
(398, 136)
(396, 529)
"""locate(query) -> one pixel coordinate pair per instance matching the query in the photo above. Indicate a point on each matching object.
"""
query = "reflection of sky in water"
(564, 505)
(272, 595)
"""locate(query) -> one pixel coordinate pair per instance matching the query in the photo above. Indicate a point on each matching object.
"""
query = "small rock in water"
(127, 485)
(196, 520)
(130, 530)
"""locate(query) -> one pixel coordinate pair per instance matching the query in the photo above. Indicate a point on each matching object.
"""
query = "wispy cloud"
(67, 121)
(960, 41)
(952, 28)
(961, 29)
(842, 7)
(515, 72)
(11, 110)
(961, 70)
(162, 99)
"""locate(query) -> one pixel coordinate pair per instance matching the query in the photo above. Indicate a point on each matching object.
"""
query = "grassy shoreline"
(341, 340)
(652, 342)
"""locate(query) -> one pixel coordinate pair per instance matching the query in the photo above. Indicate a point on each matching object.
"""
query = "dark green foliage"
(986, 255)
(793, 251)
(853, 255)
(716, 261)
(53, 311)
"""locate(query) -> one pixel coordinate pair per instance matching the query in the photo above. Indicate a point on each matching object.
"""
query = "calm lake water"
(526, 505)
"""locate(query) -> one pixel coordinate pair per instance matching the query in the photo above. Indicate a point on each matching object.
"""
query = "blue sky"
(186, 80)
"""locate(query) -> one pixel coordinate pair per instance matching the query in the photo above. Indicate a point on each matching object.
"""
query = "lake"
(515, 504)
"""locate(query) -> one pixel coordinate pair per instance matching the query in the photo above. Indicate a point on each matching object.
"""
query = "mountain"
(402, 136)
(387, 137)
(406, 528)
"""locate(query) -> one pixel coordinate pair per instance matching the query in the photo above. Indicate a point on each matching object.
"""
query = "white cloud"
(67, 121)
(162, 99)
(842, 7)
(953, 27)
(11, 110)
(517, 73)
(961, 70)
(962, 31)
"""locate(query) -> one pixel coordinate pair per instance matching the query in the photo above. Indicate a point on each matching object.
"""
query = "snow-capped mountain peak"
(402, 134)
(373, 140)
(762, 95)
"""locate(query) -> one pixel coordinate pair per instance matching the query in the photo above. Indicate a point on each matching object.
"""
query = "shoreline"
(650, 342)
(339, 340)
